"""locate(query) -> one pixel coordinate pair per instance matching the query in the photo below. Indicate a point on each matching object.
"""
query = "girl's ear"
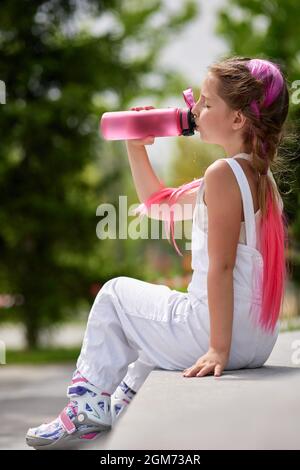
(239, 120)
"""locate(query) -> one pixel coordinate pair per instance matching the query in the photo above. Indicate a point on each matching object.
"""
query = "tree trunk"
(31, 334)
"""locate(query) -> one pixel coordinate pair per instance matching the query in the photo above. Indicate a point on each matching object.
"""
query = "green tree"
(54, 169)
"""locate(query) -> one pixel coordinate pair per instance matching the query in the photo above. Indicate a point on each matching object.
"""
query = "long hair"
(169, 196)
(259, 89)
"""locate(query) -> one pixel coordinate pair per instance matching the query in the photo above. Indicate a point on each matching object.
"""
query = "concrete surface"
(246, 409)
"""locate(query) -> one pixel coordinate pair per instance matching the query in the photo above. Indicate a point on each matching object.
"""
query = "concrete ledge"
(245, 409)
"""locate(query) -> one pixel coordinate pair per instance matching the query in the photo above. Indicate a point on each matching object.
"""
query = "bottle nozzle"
(191, 125)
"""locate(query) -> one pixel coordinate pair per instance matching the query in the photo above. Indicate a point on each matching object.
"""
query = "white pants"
(135, 326)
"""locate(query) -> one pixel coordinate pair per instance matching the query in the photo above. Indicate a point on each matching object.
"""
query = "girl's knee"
(113, 285)
(109, 283)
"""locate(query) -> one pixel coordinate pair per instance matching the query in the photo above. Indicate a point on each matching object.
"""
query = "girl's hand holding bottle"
(149, 140)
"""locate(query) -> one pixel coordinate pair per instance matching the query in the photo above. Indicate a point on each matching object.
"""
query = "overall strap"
(250, 226)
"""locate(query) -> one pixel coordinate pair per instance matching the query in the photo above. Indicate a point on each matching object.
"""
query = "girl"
(229, 317)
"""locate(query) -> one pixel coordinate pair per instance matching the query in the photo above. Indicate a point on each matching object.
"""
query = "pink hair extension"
(273, 242)
(274, 226)
(167, 193)
(270, 74)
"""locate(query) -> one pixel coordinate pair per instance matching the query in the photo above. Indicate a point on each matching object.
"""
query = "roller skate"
(86, 416)
(120, 400)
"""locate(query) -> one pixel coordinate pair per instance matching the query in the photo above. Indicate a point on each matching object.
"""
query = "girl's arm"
(147, 183)
(145, 180)
(220, 304)
(224, 208)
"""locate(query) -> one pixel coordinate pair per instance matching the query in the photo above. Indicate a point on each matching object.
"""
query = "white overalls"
(135, 326)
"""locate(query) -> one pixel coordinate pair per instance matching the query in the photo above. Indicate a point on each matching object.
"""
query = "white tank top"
(203, 219)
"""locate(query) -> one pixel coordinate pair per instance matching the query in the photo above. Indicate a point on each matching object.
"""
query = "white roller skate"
(120, 400)
(86, 416)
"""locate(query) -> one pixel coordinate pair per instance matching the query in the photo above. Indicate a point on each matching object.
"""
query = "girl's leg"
(137, 373)
(106, 347)
(129, 316)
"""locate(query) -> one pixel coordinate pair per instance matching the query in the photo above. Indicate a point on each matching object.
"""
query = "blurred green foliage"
(54, 169)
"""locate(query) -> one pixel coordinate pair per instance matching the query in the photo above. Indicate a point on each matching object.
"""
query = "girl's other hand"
(213, 362)
(148, 140)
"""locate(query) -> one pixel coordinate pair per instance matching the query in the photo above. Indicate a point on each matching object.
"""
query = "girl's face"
(216, 122)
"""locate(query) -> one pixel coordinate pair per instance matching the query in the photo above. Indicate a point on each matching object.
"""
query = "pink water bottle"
(126, 125)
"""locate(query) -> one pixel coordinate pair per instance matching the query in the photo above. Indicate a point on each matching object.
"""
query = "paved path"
(247, 409)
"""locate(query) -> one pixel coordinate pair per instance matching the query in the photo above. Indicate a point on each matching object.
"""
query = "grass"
(42, 356)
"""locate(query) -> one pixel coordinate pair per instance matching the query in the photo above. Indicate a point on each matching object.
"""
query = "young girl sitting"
(229, 317)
